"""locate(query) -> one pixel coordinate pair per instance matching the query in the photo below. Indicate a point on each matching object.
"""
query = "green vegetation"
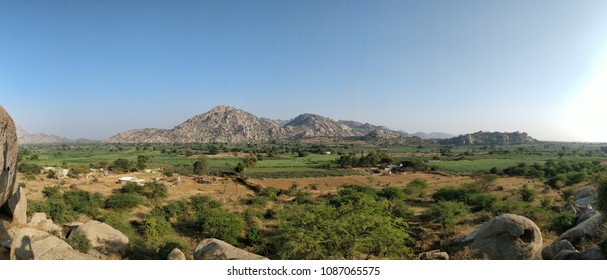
(78, 241)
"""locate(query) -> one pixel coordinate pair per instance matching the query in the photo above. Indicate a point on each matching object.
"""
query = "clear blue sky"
(94, 68)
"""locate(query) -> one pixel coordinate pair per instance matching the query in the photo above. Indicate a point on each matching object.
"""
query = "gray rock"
(215, 249)
(33, 244)
(585, 215)
(8, 161)
(549, 252)
(434, 255)
(586, 201)
(593, 254)
(509, 237)
(40, 221)
(591, 229)
(105, 238)
(587, 191)
(176, 255)
(17, 204)
(6, 236)
(568, 255)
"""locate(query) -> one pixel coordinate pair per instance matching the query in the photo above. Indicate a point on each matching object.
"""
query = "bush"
(51, 192)
(528, 194)
(83, 202)
(124, 201)
(446, 214)
(154, 228)
(416, 188)
(601, 182)
(78, 241)
(482, 201)
(29, 168)
(563, 222)
(216, 223)
(269, 192)
(392, 193)
(402, 210)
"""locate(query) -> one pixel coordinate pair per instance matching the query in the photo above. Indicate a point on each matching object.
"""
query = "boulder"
(434, 255)
(586, 201)
(33, 244)
(40, 221)
(568, 255)
(6, 236)
(593, 254)
(176, 255)
(8, 163)
(215, 249)
(587, 191)
(105, 238)
(17, 205)
(555, 248)
(591, 229)
(508, 237)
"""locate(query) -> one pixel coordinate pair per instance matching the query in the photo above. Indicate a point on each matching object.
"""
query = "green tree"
(122, 165)
(347, 230)
(216, 223)
(142, 161)
(447, 214)
(601, 183)
(528, 194)
(201, 166)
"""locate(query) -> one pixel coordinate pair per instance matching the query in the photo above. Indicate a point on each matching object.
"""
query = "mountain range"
(226, 124)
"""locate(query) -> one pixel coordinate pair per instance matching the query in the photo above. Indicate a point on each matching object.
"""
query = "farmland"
(257, 190)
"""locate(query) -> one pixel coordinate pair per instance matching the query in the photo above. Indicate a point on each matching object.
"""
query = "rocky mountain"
(23, 137)
(310, 126)
(362, 128)
(490, 138)
(433, 135)
(389, 137)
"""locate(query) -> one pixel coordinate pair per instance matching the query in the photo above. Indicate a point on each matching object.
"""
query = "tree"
(350, 228)
(447, 214)
(142, 161)
(201, 166)
(601, 182)
(240, 168)
(528, 194)
(122, 165)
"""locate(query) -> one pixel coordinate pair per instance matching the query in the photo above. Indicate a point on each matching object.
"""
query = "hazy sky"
(94, 68)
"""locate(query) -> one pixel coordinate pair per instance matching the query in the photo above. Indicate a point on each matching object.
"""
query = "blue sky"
(95, 68)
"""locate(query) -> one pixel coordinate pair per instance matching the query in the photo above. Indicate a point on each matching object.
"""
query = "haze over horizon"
(95, 68)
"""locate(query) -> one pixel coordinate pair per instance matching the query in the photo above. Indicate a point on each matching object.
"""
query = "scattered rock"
(434, 255)
(509, 237)
(40, 221)
(568, 255)
(591, 229)
(555, 248)
(105, 238)
(176, 255)
(593, 254)
(215, 249)
(33, 244)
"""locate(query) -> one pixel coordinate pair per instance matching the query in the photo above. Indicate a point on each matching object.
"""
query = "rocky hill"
(23, 137)
(227, 124)
(433, 135)
(490, 138)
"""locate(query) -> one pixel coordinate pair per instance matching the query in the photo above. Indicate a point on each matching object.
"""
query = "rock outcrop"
(434, 255)
(490, 138)
(11, 197)
(176, 255)
(508, 237)
(104, 238)
(215, 249)
(33, 244)
(40, 221)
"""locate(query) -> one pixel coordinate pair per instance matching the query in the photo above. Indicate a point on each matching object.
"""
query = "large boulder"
(8, 167)
(434, 255)
(508, 237)
(176, 255)
(587, 191)
(550, 252)
(40, 221)
(33, 244)
(593, 254)
(17, 205)
(215, 249)
(6, 236)
(589, 230)
(105, 238)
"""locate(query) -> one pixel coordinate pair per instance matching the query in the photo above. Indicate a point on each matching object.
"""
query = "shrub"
(29, 168)
(124, 201)
(83, 202)
(528, 194)
(216, 223)
(446, 214)
(563, 221)
(51, 192)
(402, 210)
(392, 193)
(78, 241)
(417, 188)
(269, 192)
(601, 182)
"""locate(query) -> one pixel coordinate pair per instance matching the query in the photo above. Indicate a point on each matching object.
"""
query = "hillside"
(225, 124)
(490, 138)
(25, 138)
